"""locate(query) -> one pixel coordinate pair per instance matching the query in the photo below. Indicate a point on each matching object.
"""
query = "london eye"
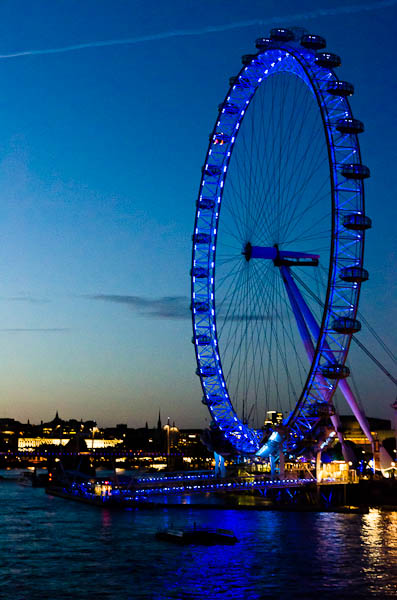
(278, 245)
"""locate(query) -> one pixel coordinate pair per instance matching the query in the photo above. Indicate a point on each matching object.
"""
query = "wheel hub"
(280, 258)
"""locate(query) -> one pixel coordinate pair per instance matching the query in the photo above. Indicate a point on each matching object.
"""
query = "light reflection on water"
(53, 548)
(379, 541)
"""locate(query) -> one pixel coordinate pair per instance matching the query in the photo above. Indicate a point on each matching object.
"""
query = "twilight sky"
(100, 160)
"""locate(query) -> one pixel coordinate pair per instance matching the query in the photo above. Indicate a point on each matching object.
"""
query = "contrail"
(33, 329)
(322, 12)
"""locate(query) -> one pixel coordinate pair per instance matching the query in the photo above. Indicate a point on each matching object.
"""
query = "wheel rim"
(290, 71)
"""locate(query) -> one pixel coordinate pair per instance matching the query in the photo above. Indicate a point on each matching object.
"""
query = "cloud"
(166, 307)
(297, 17)
(169, 307)
(28, 299)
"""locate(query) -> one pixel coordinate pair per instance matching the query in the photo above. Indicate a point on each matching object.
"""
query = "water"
(58, 549)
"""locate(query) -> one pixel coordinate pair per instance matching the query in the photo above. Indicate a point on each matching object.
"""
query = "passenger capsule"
(199, 272)
(205, 203)
(322, 409)
(229, 108)
(211, 170)
(219, 138)
(355, 171)
(201, 238)
(340, 88)
(264, 43)
(313, 42)
(357, 222)
(346, 325)
(335, 371)
(207, 371)
(247, 59)
(240, 82)
(201, 307)
(202, 340)
(328, 60)
(212, 400)
(349, 125)
(354, 274)
(280, 34)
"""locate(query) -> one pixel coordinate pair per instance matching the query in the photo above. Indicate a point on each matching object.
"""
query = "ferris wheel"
(278, 243)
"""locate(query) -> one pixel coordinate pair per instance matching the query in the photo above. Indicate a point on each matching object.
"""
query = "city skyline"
(106, 114)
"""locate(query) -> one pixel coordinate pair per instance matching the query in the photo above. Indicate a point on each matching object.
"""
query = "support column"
(272, 466)
(281, 464)
(343, 384)
(394, 407)
(220, 470)
(307, 341)
(318, 466)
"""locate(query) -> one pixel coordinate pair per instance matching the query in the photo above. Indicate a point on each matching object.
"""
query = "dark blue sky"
(100, 157)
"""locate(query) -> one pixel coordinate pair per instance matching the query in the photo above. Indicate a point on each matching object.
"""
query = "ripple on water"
(53, 548)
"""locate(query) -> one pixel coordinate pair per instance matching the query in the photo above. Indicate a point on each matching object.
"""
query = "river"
(51, 548)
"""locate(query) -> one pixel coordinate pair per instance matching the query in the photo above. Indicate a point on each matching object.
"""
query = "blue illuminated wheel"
(278, 241)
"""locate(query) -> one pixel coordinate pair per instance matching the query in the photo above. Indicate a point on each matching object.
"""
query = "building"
(381, 429)
(59, 432)
(273, 418)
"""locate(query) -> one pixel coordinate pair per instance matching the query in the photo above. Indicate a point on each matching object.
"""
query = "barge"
(206, 537)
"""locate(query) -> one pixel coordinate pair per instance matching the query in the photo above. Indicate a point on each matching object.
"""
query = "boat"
(207, 537)
(33, 478)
